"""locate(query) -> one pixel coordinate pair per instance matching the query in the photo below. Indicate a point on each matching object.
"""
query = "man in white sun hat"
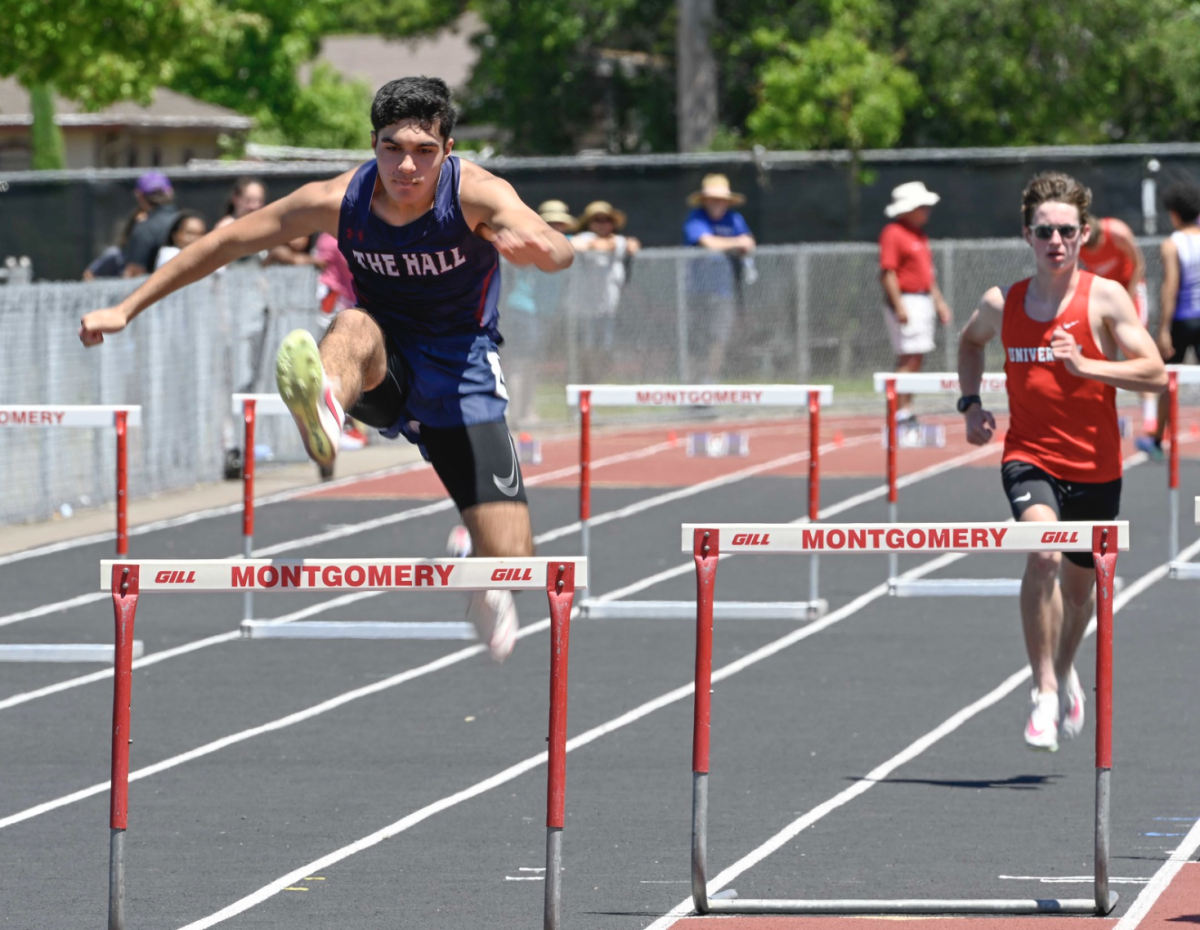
(910, 291)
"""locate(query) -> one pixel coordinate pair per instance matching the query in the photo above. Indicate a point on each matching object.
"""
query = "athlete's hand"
(520, 247)
(981, 425)
(901, 314)
(1066, 350)
(944, 314)
(1166, 348)
(93, 326)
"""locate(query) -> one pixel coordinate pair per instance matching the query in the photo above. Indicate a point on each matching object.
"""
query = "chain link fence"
(810, 313)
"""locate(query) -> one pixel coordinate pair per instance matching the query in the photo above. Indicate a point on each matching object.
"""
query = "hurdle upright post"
(706, 550)
(814, 487)
(248, 419)
(122, 424)
(893, 497)
(1173, 465)
(1104, 552)
(560, 589)
(124, 596)
(585, 469)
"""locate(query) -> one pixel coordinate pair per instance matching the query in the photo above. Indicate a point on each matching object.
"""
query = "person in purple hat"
(156, 196)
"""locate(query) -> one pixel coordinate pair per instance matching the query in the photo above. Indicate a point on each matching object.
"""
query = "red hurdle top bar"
(699, 395)
(917, 537)
(18, 415)
(339, 574)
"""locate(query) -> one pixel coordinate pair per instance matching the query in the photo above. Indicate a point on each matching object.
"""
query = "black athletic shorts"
(477, 462)
(1027, 485)
(1184, 333)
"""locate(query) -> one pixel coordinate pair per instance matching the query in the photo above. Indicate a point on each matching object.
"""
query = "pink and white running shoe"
(495, 617)
(1041, 730)
(458, 546)
(1070, 707)
(306, 392)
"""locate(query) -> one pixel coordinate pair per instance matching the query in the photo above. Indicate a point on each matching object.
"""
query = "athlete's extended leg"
(1041, 622)
(318, 384)
(907, 363)
(499, 529)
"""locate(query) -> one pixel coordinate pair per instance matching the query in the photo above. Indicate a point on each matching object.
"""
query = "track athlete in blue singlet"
(423, 233)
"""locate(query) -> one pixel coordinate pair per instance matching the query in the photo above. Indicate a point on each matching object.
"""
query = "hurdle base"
(964, 587)
(717, 905)
(686, 610)
(1184, 571)
(63, 652)
(328, 629)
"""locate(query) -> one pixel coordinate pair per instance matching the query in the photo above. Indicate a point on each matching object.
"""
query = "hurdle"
(1103, 540)
(1177, 375)
(127, 580)
(585, 396)
(36, 416)
(249, 407)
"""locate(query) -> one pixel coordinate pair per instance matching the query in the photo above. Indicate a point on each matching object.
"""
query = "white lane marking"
(1161, 879)
(788, 833)
(520, 768)
(338, 532)
(1070, 879)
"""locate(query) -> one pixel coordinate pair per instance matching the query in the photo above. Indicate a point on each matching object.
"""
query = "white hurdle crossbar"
(708, 543)
(127, 580)
(586, 396)
(1187, 570)
(892, 384)
(87, 416)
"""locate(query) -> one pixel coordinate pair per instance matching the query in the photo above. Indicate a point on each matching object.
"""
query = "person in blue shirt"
(712, 281)
(423, 233)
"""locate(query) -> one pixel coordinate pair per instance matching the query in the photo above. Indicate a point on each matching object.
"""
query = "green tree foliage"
(1028, 72)
(48, 151)
(328, 112)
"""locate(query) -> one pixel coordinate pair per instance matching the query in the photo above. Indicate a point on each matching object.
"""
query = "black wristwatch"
(966, 400)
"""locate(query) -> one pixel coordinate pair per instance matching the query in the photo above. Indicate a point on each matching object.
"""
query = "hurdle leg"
(124, 595)
(249, 415)
(893, 558)
(585, 471)
(814, 493)
(706, 550)
(1104, 546)
(560, 589)
(1173, 466)
(122, 483)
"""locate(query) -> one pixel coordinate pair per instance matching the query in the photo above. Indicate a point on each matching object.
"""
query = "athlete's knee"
(355, 334)
(1043, 566)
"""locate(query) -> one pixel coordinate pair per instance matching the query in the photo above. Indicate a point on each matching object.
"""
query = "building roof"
(447, 54)
(168, 110)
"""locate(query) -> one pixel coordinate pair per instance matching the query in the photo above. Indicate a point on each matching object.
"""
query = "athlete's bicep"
(310, 209)
(1120, 319)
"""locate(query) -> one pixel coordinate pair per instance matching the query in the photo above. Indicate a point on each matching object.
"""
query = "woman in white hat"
(600, 272)
(715, 226)
(911, 295)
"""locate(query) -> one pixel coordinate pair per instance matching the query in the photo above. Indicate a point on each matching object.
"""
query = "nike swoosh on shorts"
(511, 485)
(1023, 497)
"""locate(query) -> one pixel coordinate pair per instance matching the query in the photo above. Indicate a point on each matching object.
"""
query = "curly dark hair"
(424, 99)
(1055, 187)
(1183, 199)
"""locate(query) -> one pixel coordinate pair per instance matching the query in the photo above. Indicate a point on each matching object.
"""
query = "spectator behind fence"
(713, 281)
(189, 226)
(247, 196)
(911, 295)
(531, 304)
(600, 276)
(111, 262)
(156, 196)
(335, 286)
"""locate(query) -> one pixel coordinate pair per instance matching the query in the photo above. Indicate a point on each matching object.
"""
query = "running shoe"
(306, 392)
(458, 546)
(495, 617)
(1070, 707)
(1041, 732)
(1152, 447)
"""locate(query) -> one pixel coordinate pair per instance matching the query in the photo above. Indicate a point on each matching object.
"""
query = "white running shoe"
(458, 546)
(1041, 731)
(495, 617)
(306, 391)
(1070, 708)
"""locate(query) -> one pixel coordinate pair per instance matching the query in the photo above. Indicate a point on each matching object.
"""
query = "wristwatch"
(967, 400)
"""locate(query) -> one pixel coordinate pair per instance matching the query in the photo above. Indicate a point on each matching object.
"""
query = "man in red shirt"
(911, 295)
(1063, 331)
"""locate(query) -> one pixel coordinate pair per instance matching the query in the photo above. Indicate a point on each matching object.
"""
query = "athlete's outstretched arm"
(1142, 367)
(495, 212)
(981, 329)
(312, 208)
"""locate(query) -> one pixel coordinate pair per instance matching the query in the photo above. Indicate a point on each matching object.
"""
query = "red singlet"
(1108, 260)
(1063, 424)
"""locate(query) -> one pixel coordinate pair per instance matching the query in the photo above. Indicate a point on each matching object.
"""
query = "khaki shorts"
(916, 336)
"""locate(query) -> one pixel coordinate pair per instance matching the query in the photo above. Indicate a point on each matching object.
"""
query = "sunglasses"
(1047, 230)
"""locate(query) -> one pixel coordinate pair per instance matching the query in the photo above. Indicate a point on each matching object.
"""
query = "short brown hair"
(1056, 187)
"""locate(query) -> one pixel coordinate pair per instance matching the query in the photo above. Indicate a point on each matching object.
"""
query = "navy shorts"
(1026, 485)
(448, 397)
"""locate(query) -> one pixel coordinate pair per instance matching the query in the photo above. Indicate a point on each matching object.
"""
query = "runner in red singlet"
(1061, 331)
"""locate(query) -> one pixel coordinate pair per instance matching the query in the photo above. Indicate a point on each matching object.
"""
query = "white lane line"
(59, 607)
(1070, 879)
(1161, 879)
(520, 768)
(872, 778)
